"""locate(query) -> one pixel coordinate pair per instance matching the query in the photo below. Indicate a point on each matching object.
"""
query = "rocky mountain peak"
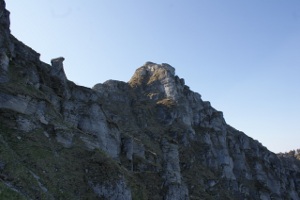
(158, 80)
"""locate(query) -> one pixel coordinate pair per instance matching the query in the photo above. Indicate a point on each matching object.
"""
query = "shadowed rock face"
(4, 42)
(150, 138)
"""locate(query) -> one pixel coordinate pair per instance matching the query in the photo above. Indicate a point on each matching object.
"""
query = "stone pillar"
(60, 81)
(58, 68)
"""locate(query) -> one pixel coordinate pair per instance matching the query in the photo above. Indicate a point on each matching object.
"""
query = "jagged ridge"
(150, 138)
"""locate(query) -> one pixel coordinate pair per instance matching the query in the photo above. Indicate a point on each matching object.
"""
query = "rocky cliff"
(149, 138)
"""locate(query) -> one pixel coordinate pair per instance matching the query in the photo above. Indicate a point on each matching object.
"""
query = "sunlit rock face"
(149, 138)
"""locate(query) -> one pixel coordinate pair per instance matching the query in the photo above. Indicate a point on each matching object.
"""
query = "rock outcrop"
(149, 138)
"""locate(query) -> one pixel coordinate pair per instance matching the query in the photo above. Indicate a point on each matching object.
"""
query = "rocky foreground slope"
(149, 138)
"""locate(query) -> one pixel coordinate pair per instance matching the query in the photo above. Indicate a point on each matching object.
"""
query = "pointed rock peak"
(157, 80)
(151, 72)
(153, 67)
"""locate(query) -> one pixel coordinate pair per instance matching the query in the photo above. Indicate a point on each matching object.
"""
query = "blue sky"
(242, 56)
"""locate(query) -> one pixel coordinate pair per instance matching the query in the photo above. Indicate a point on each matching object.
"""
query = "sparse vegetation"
(166, 102)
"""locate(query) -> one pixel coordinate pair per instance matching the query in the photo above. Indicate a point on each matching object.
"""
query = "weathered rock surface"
(150, 138)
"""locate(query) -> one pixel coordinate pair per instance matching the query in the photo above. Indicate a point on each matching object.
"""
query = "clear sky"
(241, 55)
